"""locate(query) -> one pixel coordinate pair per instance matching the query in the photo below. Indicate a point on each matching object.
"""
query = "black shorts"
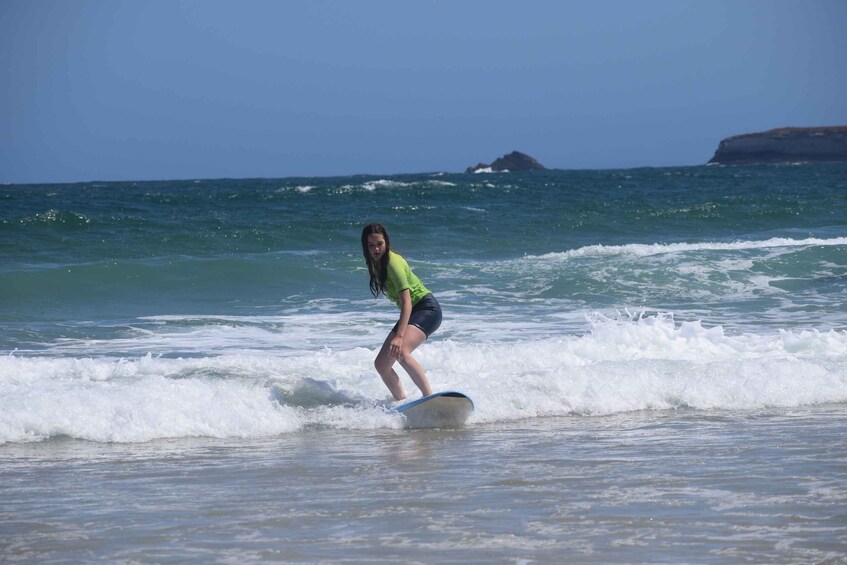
(426, 315)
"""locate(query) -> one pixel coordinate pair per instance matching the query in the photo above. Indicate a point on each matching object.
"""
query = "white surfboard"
(444, 409)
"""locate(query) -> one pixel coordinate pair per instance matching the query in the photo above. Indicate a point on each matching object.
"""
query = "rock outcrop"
(784, 145)
(514, 161)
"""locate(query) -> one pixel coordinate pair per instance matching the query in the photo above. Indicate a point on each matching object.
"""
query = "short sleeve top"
(399, 278)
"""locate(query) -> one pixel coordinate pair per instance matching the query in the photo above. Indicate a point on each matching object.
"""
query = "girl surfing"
(420, 313)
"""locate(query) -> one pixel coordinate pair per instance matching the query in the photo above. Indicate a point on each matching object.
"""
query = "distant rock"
(784, 145)
(514, 161)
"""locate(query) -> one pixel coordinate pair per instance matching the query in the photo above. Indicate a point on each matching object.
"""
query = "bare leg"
(413, 338)
(384, 364)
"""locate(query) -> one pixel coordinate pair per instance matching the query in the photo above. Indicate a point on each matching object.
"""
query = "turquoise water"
(742, 246)
(138, 319)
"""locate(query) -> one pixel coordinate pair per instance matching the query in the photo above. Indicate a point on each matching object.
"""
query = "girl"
(420, 314)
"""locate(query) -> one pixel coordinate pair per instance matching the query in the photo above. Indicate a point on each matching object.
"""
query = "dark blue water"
(111, 252)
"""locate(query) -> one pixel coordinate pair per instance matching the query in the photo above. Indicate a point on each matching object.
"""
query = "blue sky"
(167, 89)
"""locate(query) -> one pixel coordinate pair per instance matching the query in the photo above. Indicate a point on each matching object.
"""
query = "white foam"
(289, 334)
(384, 183)
(373, 185)
(129, 402)
(622, 364)
(303, 189)
(149, 398)
(644, 250)
(651, 363)
(664, 276)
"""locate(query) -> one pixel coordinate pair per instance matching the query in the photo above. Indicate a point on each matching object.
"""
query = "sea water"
(658, 359)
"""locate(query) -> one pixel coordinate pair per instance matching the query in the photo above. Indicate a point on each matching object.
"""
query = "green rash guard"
(399, 278)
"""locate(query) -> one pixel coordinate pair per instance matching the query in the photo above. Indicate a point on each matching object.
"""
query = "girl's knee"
(405, 358)
(382, 364)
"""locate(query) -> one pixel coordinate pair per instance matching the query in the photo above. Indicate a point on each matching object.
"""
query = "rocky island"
(513, 162)
(784, 145)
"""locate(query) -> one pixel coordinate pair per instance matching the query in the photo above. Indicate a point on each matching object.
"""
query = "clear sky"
(169, 89)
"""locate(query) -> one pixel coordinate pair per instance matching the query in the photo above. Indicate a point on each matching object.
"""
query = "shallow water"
(765, 486)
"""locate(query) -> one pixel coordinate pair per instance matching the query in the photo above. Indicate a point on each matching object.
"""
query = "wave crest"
(628, 363)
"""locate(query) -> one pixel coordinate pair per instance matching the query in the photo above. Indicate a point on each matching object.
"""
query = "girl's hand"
(396, 347)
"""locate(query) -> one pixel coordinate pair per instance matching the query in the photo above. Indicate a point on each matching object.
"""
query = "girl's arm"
(405, 311)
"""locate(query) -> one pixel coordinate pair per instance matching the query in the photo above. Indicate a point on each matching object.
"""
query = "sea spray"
(626, 364)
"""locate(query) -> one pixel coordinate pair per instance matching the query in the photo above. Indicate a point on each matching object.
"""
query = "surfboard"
(444, 409)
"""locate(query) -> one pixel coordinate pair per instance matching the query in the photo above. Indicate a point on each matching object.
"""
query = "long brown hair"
(377, 271)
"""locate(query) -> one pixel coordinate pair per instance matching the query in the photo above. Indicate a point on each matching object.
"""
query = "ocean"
(658, 359)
